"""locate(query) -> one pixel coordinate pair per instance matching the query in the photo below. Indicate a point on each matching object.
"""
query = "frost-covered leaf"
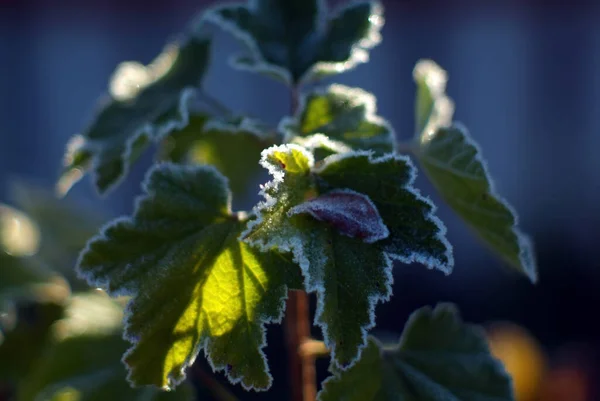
(350, 213)
(65, 226)
(83, 358)
(349, 274)
(145, 104)
(345, 115)
(296, 40)
(193, 284)
(233, 146)
(439, 358)
(433, 108)
(454, 164)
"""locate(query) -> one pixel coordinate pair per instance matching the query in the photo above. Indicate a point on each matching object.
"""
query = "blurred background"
(525, 77)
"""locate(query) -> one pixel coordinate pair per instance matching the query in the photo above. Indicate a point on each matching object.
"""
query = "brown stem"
(301, 367)
(303, 378)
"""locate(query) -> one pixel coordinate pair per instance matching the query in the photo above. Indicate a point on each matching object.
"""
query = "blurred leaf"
(233, 146)
(214, 292)
(346, 257)
(65, 227)
(345, 115)
(23, 344)
(455, 165)
(22, 276)
(145, 104)
(296, 40)
(433, 109)
(439, 358)
(84, 358)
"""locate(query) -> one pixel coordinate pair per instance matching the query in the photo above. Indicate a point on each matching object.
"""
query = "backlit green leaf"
(439, 358)
(345, 115)
(194, 285)
(145, 104)
(455, 165)
(433, 108)
(233, 146)
(349, 272)
(295, 40)
(83, 359)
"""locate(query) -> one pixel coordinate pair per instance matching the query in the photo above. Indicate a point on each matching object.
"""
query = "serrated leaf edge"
(201, 346)
(409, 186)
(526, 246)
(358, 54)
(295, 246)
(356, 96)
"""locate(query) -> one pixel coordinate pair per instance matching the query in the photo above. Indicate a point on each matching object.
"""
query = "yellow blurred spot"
(67, 394)
(19, 235)
(522, 357)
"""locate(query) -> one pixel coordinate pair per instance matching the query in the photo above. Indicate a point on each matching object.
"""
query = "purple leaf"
(349, 212)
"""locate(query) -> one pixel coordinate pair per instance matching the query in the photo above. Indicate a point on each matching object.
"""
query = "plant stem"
(301, 367)
(303, 380)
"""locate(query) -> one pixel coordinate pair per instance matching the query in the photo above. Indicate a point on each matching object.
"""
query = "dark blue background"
(525, 78)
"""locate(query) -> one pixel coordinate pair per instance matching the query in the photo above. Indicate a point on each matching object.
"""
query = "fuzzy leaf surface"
(145, 104)
(295, 40)
(438, 358)
(454, 164)
(343, 114)
(83, 358)
(349, 274)
(233, 146)
(194, 285)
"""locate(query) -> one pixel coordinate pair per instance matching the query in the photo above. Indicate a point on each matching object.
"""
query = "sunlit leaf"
(349, 270)
(296, 40)
(145, 104)
(439, 358)
(232, 145)
(345, 115)
(433, 109)
(83, 359)
(194, 285)
(455, 165)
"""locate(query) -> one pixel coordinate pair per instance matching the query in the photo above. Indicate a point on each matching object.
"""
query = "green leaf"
(439, 358)
(433, 108)
(233, 146)
(24, 342)
(455, 165)
(193, 284)
(64, 225)
(145, 104)
(348, 269)
(21, 275)
(298, 40)
(345, 115)
(84, 358)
